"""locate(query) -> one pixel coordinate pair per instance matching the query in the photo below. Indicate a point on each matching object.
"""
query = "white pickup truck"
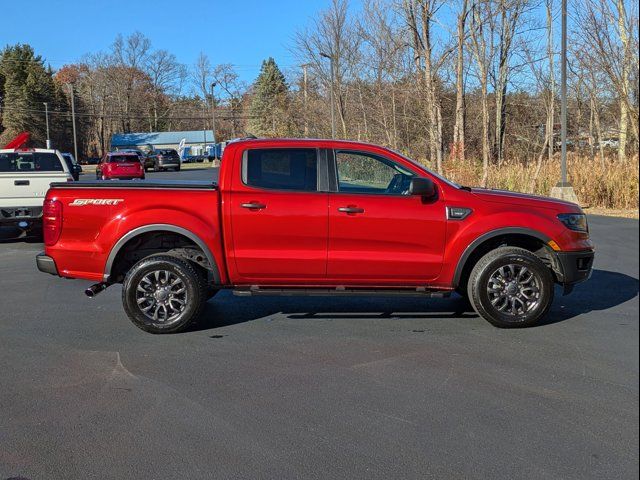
(25, 175)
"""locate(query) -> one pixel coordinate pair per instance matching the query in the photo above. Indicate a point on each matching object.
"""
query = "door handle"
(351, 210)
(253, 205)
(21, 182)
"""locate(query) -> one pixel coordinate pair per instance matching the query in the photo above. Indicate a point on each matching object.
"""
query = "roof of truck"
(313, 141)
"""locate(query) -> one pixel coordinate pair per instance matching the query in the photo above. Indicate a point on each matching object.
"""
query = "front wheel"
(163, 294)
(511, 287)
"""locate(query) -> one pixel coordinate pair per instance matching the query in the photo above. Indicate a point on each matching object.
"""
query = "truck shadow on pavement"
(225, 309)
(603, 291)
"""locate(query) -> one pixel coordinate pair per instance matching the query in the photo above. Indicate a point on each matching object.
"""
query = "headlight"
(574, 221)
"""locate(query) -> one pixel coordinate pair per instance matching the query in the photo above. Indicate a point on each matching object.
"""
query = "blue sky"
(242, 32)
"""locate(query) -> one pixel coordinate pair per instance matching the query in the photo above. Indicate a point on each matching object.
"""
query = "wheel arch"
(160, 227)
(513, 236)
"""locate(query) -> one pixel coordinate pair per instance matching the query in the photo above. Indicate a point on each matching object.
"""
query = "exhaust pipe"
(95, 289)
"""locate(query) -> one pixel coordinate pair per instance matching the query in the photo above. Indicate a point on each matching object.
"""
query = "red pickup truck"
(314, 217)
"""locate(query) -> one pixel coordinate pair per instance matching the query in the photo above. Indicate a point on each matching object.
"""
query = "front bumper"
(46, 264)
(574, 267)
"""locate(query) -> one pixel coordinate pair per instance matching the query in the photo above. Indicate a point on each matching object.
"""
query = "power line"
(126, 116)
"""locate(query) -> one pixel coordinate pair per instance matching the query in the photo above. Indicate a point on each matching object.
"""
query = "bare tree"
(232, 91)
(167, 78)
(606, 31)
(457, 150)
(129, 55)
(510, 16)
(479, 31)
(419, 15)
(333, 34)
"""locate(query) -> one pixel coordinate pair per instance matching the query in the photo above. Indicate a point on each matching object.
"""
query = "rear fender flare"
(157, 227)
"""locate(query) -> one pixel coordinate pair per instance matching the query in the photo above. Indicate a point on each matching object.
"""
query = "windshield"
(439, 177)
(123, 159)
(30, 162)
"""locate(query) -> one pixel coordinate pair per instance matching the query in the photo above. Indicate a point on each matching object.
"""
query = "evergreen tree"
(270, 102)
(25, 83)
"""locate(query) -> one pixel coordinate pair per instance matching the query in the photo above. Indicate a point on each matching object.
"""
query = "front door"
(279, 217)
(378, 233)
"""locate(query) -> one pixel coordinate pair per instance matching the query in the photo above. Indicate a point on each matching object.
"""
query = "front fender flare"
(488, 236)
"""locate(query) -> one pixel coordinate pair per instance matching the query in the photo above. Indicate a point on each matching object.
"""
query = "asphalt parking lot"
(292, 388)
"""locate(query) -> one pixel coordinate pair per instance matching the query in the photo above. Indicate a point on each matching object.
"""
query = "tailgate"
(27, 189)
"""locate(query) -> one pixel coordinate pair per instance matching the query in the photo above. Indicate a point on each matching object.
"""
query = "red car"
(120, 165)
(314, 217)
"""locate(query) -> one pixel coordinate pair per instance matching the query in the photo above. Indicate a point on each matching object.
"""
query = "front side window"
(30, 162)
(368, 174)
(281, 169)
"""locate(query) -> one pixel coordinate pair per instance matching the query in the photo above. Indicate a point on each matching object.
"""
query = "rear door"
(278, 211)
(378, 233)
(25, 176)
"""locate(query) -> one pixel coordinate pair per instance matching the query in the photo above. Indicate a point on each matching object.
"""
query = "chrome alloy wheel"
(162, 296)
(514, 289)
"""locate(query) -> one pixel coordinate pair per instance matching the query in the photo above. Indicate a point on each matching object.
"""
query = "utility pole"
(73, 122)
(46, 116)
(564, 189)
(204, 125)
(563, 97)
(333, 113)
(305, 97)
(213, 115)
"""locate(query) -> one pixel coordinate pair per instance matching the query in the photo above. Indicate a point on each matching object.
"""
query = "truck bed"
(165, 184)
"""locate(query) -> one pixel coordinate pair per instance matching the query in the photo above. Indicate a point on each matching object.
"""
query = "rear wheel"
(511, 287)
(163, 294)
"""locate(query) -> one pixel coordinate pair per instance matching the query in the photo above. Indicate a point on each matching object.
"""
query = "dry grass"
(608, 185)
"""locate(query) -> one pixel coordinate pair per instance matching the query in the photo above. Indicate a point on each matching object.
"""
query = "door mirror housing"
(423, 187)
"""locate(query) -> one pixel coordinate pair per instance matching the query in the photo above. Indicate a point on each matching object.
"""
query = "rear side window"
(281, 169)
(123, 159)
(30, 162)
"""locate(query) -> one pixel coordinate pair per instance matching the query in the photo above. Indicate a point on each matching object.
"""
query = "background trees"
(459, 82)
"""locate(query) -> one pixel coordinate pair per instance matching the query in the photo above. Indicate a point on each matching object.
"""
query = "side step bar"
(340, 291)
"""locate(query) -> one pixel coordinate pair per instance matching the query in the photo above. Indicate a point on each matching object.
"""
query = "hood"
(524, 199)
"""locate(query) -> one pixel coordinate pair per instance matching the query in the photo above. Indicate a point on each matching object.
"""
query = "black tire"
(511, 287)
(193, 297)
(177, 169)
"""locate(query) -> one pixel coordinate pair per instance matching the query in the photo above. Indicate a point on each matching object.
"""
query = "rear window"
(30, 162)
(281, 169)
(168, 152)
(123, 159)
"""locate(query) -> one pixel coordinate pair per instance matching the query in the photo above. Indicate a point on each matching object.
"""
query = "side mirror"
(423, 187)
